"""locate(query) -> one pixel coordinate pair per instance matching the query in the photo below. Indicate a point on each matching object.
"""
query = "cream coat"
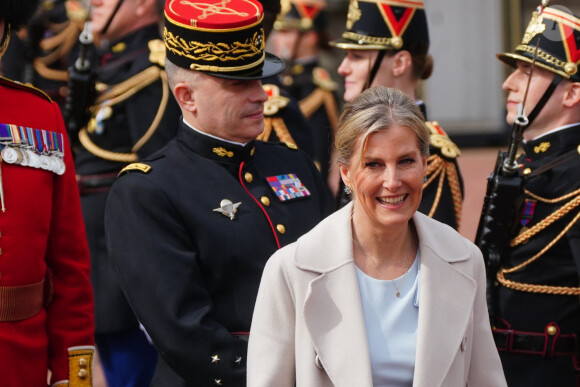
(308, 323)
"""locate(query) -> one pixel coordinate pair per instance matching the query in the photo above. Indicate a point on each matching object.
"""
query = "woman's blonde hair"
(378, 108)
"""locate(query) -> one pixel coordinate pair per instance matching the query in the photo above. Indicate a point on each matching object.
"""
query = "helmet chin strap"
(542, 102)
(106, 27)
(374, 69)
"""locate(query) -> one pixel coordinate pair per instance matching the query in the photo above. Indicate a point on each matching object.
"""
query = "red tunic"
(42, 229)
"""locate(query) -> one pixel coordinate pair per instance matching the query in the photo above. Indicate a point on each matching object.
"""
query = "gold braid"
(526, 235)
(438, 167)
(119, 93)
(554, 216)
(455, 187)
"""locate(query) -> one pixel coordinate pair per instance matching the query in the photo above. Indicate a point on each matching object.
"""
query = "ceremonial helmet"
(15, 14)
(219, 37)
(555, 31)
(303, 15)
(385, 25)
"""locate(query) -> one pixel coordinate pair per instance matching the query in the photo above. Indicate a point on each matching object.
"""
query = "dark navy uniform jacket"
(125, 124)
(303, 87)
(190, 272)
(549, 193)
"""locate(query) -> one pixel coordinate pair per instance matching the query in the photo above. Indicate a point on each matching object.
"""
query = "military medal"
(288, 187)
(227, 208)
(34, 148)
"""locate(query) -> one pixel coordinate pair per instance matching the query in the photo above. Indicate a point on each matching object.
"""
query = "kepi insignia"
(227, 208)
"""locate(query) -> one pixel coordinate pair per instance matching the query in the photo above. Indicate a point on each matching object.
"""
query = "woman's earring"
(347, 190)
(424, 179)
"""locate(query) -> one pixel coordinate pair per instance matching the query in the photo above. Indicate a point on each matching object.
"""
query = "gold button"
(82, 362)
(281, 229)
(249, 177)
(552, 330)
(82, 373)
(265, 200)
(527, 171)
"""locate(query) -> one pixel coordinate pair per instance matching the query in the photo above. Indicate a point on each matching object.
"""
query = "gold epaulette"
(157, 52)
(80, 366)
(25, 87)
(275, 101)
(140, 167)
(440, 140)
(322, 79)
(291, 145)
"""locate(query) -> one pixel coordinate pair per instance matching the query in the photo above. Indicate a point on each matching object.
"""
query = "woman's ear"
(402, 61)
(345, 174)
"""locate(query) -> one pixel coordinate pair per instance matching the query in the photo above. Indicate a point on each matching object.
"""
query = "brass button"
(82, 362)
(552, 330)
(527, 171)
(82, 373)
(249, 177)
(265, 200)
(281, 229)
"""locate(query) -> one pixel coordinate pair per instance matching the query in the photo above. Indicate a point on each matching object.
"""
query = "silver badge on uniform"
(227, 208)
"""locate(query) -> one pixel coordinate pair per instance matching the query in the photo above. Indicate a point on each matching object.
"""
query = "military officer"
(132, 116)
(283, 120)
(300, 34)
(537, 329)
(198, 219)
(387, 43)
(46, 300)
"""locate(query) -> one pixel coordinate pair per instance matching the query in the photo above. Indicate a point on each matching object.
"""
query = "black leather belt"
(91, 184)
(547, 344)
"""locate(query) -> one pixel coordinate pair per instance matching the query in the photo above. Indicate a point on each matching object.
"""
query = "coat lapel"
(446, 298)
(332, 308)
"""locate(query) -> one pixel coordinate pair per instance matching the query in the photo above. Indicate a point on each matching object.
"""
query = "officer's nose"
(508, 84)
(259, 94)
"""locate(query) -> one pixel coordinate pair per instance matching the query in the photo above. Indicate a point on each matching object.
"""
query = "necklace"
(397, 292)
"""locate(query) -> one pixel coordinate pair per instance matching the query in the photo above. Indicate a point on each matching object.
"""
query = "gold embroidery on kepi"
(385, 25)
(221, 37)
(553, 38)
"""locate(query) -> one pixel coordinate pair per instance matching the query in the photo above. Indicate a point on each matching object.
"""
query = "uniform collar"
(553, 143)
(214, 148)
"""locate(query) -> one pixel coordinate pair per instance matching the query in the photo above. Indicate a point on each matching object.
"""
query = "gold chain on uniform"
(526, 235)
(438, 166)
(119, 93)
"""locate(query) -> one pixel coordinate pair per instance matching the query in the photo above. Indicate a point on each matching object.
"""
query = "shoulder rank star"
(228, 208)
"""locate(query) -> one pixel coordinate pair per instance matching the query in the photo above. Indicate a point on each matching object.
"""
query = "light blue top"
(391, 325)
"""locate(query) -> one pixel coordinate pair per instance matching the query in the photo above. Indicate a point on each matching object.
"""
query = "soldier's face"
(356, 67)
(121, 24)
(227, 108)
(284, 43)
(516, 84)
